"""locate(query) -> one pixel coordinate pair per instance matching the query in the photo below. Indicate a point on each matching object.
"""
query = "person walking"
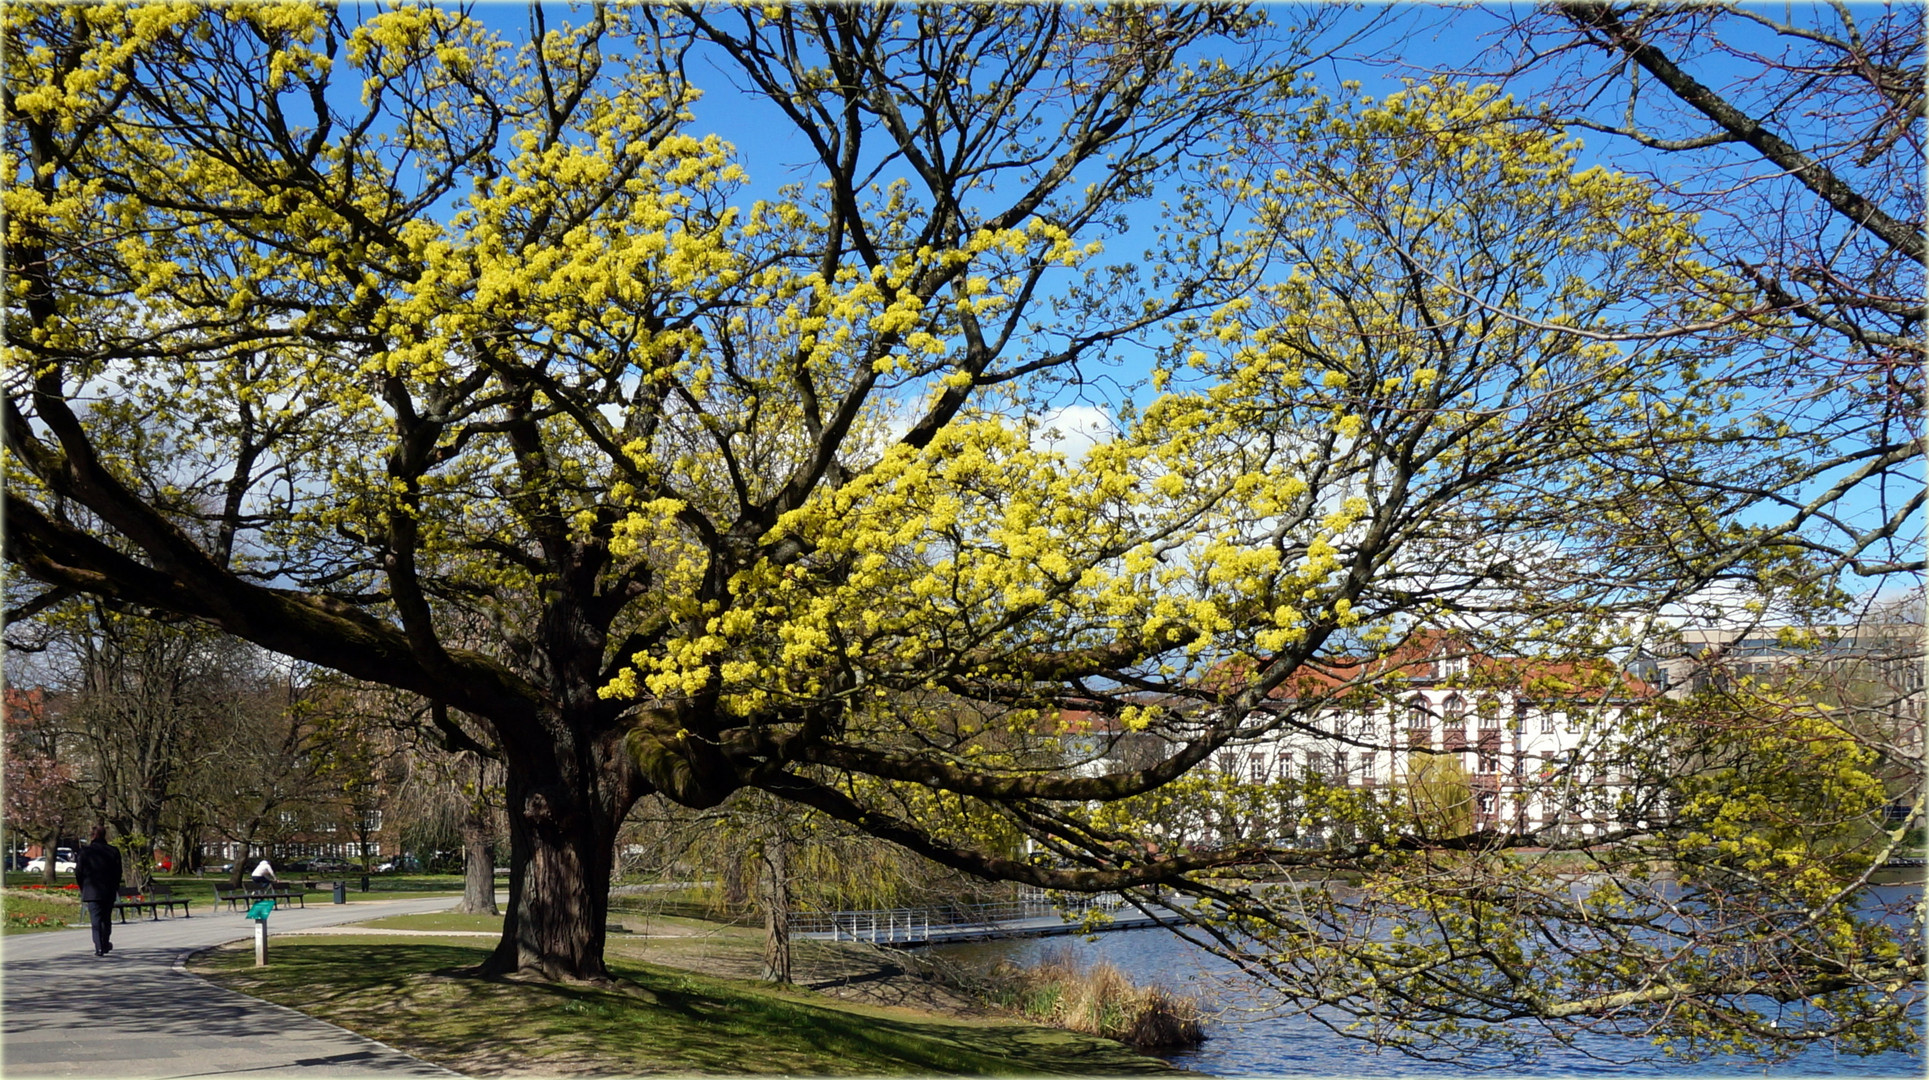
(264, 876)
(98, 871)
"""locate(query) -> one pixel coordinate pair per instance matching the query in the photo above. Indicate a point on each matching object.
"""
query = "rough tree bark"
(564, 809)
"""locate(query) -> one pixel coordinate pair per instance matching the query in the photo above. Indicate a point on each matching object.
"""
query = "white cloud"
(1074, 429)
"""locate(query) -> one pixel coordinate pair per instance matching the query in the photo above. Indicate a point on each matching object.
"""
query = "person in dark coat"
(98, 870)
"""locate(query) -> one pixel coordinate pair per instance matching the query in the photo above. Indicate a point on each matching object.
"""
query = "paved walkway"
(135, 1013)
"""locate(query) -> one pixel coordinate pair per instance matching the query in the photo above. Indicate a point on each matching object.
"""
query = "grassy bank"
(411, 994)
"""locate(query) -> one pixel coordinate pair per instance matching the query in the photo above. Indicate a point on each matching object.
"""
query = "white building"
(1529, 736)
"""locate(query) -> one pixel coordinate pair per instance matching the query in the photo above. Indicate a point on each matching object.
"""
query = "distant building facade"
(1518, 731)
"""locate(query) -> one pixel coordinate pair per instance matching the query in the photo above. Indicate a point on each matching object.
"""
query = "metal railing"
(898, 926)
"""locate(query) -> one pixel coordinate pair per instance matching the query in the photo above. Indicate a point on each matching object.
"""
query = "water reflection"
(1246, 1042)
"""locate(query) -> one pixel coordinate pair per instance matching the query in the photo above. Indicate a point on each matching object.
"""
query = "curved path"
(136, 1013)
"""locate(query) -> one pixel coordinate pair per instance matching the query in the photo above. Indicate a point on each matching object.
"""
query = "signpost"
(259, 913)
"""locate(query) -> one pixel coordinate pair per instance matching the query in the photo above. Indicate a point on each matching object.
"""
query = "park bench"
(235, 898)
(160, 896)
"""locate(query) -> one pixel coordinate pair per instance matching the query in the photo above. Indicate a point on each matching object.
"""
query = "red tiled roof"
(1417, 660)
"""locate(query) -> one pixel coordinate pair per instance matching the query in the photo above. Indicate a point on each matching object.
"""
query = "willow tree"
(486, 385)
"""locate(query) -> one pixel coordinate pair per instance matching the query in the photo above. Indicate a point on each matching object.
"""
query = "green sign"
(261, 909)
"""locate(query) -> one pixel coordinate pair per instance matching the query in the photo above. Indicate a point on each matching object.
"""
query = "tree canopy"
(1795, 139)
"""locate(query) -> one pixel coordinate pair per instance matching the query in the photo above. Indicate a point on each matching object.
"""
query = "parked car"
(403, 862)
(330, 866)
(63, 862)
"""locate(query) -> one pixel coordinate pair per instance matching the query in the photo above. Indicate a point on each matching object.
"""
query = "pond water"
(1298, 1046)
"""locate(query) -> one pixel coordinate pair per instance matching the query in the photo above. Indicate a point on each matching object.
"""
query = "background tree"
(147, 701)
(456, 785)
(264, 776)
(1440, 794)
(43, 802)
(363, 752)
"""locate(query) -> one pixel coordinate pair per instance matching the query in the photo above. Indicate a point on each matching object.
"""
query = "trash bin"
(341, 892)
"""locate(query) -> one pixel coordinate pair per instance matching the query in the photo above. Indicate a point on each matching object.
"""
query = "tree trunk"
(478, 862)
(48, 849)
(563, 810)
(736, 892)
(243, 862)
(777, 906)
(187, 846)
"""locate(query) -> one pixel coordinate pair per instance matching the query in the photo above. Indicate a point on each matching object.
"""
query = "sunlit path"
(136, 1013)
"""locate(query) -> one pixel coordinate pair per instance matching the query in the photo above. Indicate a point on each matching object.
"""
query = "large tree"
(489, 346)
(460, 367)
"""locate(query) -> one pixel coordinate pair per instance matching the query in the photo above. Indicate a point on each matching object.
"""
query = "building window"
(1454, 726)
(1339, 766)
(1547, 722)
(1419, 723)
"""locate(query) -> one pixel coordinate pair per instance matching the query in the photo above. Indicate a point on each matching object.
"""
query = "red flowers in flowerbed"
(69, 885)
(21, 919)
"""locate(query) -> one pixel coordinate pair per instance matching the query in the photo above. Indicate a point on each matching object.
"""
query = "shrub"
(1098, 1000)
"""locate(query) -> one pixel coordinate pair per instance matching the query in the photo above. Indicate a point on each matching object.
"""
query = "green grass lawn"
(654, 1020)
(438, 920)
